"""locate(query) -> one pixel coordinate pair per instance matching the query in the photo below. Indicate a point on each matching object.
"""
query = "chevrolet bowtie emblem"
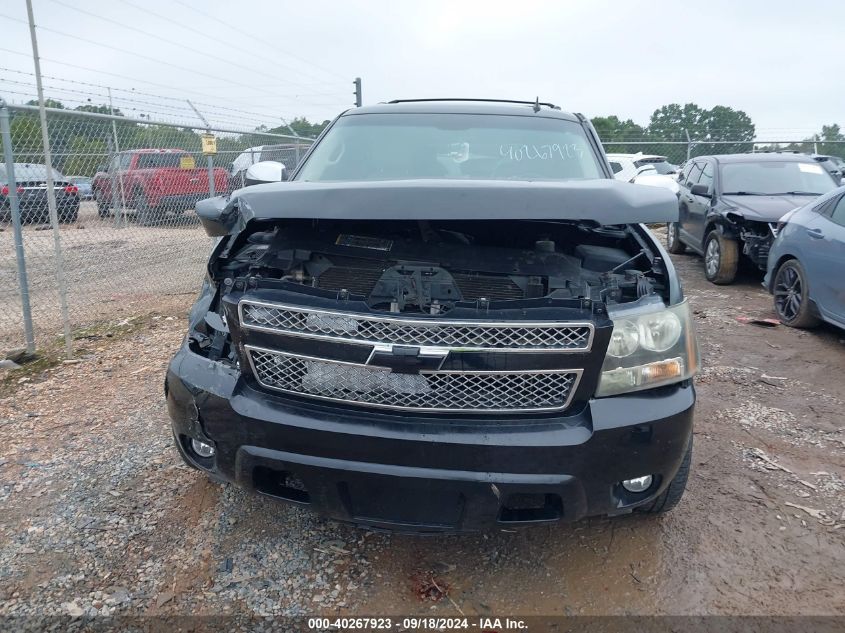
(407, 359)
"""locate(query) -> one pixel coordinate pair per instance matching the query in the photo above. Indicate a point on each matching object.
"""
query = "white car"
(645, 169)
(288, 154)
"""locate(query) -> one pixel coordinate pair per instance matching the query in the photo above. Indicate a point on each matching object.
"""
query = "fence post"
(689, 144)
(51, 192)
(115, 199)
(12, 183)
(119, 216)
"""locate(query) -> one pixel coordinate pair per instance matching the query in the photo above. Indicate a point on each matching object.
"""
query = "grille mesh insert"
(433, 391)
(356, 327)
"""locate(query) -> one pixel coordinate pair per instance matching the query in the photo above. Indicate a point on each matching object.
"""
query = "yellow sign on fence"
(209, 144)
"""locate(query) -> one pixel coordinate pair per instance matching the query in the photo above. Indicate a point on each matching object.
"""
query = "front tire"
(103, 207)
(670, 497)
(69, 215)
(792, 296)
(721, 258)
(673, 239)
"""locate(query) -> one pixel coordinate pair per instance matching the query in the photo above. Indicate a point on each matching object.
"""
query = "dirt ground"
(99, 516)
(112, 269)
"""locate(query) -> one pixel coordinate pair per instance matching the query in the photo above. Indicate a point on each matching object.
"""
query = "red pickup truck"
(155, 181)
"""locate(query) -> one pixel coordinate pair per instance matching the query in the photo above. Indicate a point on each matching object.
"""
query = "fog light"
(202, 449)
(637, 484)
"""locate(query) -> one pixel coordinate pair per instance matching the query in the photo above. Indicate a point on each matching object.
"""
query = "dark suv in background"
(730, 206)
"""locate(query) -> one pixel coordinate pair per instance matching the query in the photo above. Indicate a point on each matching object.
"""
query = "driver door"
(701, 205)
(687, 203)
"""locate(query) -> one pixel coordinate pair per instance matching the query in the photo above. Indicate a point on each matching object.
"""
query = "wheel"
(35, 216)
(673, 240)
(103, 207)
(147, 216)
(68, 215)
(670, 497)
(721, 258)
(792, 296)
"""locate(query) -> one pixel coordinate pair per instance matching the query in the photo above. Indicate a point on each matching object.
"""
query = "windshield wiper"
(796, 193)
(746, 193)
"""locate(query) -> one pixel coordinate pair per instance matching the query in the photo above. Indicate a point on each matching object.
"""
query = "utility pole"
(51, 192)
(358, 100)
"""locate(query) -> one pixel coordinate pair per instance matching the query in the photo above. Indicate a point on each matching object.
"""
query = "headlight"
(651, 345)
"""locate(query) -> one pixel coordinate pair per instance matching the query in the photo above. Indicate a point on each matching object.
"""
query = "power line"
(253, 38)
(123, 50)
(172, 43)
(170, 21)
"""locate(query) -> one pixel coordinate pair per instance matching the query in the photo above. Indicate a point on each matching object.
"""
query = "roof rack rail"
(531, 103)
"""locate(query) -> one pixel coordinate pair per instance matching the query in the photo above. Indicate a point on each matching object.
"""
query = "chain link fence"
(125, 230)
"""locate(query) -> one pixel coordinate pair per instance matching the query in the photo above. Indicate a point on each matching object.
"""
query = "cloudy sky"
(781, 61)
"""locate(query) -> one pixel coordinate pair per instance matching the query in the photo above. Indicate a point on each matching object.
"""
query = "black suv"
(730, 205)
(449, 319)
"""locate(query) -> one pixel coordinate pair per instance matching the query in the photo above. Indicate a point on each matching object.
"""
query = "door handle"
(815, 233)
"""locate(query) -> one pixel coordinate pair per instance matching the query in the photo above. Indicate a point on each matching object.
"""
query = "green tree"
(614, 132)
(720, 130)
(831, 140)
(302, 127)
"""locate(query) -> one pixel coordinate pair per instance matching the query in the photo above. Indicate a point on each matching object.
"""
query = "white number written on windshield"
(554, 151)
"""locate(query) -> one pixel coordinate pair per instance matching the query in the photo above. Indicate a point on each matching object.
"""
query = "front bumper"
(427, 473)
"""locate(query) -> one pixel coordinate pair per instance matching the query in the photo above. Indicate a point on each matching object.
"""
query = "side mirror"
(212, 212)
(700, 190)
(264, 172)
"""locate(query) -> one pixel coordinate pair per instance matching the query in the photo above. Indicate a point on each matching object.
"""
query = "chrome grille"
(326, 324)
(435, 391)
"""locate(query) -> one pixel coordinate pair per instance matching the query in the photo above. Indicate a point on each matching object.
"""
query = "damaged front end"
(756, 236)
(340, 362)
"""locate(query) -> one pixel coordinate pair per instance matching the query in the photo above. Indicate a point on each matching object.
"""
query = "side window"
(706, 176)
(616, 167)
(694, 175)
(838, 214)
(125, 161)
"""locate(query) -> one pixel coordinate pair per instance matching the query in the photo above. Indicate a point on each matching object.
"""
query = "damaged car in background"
(730, 205)
(448, 319)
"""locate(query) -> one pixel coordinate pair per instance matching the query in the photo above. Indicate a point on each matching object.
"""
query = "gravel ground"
(99, 516)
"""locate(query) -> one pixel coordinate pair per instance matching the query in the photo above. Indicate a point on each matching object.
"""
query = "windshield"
(661, 166)
(775, 177)
(452, 146)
